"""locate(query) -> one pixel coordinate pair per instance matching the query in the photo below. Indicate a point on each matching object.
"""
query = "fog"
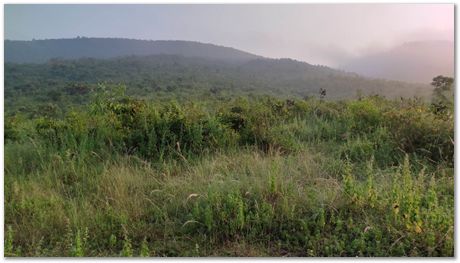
(328, 34)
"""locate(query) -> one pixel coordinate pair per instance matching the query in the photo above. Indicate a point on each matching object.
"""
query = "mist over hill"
(412, 61)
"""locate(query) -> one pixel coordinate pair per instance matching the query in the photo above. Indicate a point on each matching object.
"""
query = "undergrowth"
(259, 177)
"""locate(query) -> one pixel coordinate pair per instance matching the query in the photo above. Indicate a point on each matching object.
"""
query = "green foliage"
(127, 250)
(365, 115)
(443, 95)
(416, 130)
(10, 129)
(9, 249)
(68, 83)
(443, 88)
(112, 240)
(80, 242)
(144, 250)
(260, 176)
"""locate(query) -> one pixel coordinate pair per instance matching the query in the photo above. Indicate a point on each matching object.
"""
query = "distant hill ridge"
(416, 61)
(152, 68)
(40, 51)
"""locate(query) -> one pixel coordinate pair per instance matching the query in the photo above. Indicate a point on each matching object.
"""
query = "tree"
(442, 82)
(443, 93)
(322, 93)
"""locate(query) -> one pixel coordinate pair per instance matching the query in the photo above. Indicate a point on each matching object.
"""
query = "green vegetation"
(52, 88)
(240, 176)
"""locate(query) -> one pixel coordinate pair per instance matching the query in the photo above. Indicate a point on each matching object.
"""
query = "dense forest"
(173, 155)
(64, 83)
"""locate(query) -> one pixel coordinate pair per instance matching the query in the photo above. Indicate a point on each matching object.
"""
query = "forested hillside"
(68, 82)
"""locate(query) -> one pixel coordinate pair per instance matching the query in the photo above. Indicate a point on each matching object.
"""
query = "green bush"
(365, 116)
(416, 130)
(10, 129)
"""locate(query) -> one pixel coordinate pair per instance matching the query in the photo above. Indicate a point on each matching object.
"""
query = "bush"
(365, 116)
(416, 130)
(10, 129)
(358, 150)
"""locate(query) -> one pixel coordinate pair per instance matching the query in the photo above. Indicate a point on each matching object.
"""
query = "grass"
(266, 178)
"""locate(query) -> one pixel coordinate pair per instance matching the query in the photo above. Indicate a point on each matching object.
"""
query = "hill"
(63, 71)
(162, 77)
(412, 61)
(39, 51)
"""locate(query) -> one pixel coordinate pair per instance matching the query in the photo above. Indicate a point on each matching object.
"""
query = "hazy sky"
(319, 34)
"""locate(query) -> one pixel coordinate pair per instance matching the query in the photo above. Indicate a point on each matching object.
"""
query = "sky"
(326, 34)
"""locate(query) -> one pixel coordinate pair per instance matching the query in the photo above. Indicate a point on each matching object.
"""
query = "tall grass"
(267, 177)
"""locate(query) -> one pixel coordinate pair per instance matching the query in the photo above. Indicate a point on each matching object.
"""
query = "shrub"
(364, 115)
(358, 150)
(10, 129)
(418, 131)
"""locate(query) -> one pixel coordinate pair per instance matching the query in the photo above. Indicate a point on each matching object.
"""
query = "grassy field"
(245, 177)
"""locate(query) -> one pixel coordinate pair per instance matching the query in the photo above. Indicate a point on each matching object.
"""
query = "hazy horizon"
(327, 34)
